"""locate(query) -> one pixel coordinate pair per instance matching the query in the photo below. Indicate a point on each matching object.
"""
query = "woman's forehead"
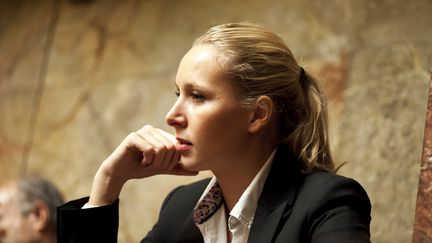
(198, 65)
(200, 54)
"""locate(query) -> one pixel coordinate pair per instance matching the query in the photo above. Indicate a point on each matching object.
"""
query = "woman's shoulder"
(331, 208)
(324, 187)
(320, 175)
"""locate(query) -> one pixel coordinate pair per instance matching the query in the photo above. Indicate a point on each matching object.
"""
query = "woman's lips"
(183, 145)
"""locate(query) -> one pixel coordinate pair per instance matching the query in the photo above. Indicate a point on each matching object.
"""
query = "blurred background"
(76, 76)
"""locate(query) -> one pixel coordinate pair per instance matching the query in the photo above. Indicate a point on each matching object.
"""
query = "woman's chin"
(191, 165)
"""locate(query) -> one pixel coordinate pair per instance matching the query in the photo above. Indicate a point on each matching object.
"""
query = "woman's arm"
(147, 152)
(76, 225)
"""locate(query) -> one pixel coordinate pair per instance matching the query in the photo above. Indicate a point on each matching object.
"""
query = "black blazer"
(293, 207)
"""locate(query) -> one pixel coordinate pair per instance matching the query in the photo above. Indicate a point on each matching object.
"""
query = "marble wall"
(77, 76)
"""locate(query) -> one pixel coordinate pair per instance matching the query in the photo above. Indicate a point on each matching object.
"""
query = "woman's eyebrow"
(192, 85)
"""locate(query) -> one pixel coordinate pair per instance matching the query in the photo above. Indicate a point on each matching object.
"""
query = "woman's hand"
(147, 152)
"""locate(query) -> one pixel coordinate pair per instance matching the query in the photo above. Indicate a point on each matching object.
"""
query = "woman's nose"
(175, 117)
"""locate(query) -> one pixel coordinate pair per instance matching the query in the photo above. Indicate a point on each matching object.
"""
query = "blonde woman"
(257, 120)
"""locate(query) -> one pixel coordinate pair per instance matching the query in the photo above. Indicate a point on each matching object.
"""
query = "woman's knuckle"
(170, 147)
(148, 150)
(160, 149)
(147, 127)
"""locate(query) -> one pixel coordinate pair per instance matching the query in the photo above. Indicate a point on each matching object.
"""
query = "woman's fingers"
(157, 150)
(146, 152)
(169, 136)
(175, 159)
(164, 154)
(141, 146)
(172, 156)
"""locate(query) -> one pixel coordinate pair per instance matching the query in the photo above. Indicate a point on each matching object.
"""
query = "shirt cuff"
(87, 205)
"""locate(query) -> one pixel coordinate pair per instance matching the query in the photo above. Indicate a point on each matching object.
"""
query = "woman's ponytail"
(309, 139)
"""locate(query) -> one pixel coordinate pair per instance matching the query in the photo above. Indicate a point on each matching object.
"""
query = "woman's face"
(210, 123)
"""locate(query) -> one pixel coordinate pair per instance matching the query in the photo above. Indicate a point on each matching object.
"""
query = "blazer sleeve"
(76, 225)
(343, 214)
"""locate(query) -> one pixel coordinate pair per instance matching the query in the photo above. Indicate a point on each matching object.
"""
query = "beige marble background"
(77, 76)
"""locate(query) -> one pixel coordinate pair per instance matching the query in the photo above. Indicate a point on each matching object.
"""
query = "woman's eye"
(197, 97)
(177, 93)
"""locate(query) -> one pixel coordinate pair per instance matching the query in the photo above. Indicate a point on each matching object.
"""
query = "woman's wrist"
(106, 188)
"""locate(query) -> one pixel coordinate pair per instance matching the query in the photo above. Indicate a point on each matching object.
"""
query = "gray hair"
(32, 189)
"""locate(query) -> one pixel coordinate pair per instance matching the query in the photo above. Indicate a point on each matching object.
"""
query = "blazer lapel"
(277, 196)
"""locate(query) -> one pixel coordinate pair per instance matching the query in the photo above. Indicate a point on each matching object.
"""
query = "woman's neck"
(234, 180)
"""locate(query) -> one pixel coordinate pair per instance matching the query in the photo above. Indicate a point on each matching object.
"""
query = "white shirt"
(209, 213)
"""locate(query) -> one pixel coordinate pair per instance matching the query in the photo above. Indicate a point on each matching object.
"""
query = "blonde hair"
(259, 63)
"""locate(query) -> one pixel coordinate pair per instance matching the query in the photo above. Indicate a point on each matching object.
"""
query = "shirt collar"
(244, 209)
(209, 202)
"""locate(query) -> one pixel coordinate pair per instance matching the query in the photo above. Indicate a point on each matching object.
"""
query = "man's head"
(28, 211)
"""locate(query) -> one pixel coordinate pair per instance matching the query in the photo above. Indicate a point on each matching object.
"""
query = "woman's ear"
(261, 113)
